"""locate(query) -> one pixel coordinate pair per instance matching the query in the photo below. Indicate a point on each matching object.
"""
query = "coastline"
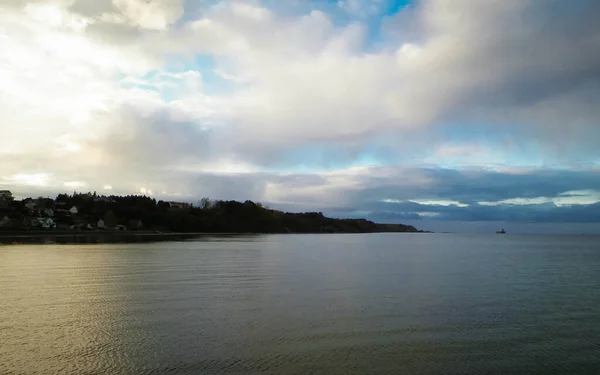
(102, 237)
(92, 218)
(95, 237)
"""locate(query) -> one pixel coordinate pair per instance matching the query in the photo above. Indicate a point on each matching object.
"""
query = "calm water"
(331, 304)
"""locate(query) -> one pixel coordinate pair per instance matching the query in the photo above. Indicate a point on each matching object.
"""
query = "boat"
(501, 231)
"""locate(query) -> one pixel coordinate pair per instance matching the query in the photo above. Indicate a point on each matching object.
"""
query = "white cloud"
(74, 184)
(89, 92)
(153, 14)
(34, 179)
(428, 214)
(434, 202)
(582, 197)
(428, 202)
(311, 81)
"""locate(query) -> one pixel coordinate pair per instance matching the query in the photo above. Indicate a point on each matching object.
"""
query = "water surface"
(287, 304)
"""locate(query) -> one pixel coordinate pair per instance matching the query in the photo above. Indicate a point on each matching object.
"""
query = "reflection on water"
(389, 303)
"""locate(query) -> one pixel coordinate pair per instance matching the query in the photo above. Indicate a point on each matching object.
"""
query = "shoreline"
(65, 237)
(101, 237)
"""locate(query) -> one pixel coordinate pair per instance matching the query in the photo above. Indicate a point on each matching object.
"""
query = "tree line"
(211, 216)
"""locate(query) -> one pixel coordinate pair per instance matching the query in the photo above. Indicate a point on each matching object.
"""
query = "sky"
(444, 114)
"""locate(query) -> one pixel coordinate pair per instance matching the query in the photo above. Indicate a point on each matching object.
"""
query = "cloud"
(488, 107)
(361, 7)
(313, 82)
(521, 57)
(144, 14)
(451, 195)
(534, 213)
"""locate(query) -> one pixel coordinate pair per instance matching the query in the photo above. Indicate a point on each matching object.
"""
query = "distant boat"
(501, 231)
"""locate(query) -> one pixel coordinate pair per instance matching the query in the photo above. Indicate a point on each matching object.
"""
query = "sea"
(397, 303)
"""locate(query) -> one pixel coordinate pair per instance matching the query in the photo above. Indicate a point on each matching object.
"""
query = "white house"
(74, 210)
(179, 205)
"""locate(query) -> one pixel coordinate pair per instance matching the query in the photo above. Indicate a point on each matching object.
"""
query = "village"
(64, 213)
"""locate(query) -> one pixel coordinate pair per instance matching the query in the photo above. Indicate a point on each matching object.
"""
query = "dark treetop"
(142, 212)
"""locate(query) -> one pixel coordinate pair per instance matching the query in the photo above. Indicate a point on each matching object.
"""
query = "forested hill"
(209, 216)
(249, 217)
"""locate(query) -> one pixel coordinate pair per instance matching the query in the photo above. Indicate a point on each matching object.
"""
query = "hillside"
(86, 211)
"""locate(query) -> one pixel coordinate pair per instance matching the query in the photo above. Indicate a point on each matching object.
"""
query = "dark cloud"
(536, 213)
(386, 197)
(529, 67)
(471, 186)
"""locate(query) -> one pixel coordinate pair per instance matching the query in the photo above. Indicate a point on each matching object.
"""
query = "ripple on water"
(387, 304)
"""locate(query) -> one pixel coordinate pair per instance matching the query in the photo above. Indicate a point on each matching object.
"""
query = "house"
(100, 224)
(179, 205)
(74, 210)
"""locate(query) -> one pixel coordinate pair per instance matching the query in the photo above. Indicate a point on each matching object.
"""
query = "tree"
(205, 203)
(110, 219)
(62, 198)
(162, 205)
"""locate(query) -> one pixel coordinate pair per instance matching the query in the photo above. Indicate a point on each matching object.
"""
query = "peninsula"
(89, 212)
